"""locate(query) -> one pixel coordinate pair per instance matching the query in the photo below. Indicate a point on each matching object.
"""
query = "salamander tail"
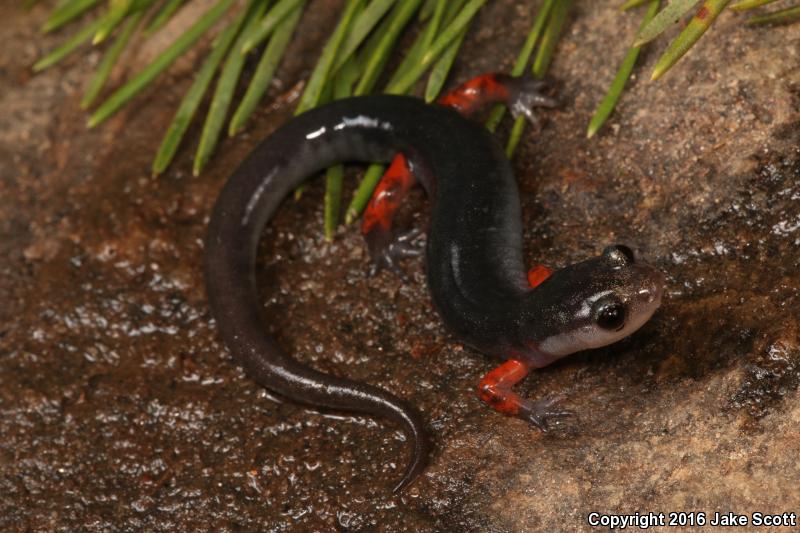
(420, 446)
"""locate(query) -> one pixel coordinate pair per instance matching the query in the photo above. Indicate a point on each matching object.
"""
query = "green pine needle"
(427, 10)
(427, 35)
(668, 16)
(361, 28)
(423, 41)
(749, 4)
(375, 63)
(702, 20)
(361, 197)
(134, 86)
(442, 67)
(267, 65)
(784, 16)
(609, 102)
(552, 34)
(103, 71)
(319, 77)
(163, 16)
(67, 12)
(268, 24)
(69, 46)
(193, 97)
(630, 4)
(437, 47)
(369, 48)
(223, 94)
(117, 11)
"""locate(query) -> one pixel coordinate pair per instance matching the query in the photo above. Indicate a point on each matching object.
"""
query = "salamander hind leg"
(387, 248)
(386, 244)
(495, 390)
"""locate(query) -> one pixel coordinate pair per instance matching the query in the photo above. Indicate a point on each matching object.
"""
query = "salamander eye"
(619, 254)
(609, 313)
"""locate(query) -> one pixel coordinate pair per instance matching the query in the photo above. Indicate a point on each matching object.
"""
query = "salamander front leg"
(495, 390)
(521, 95)
(537, 275)
(527, 94)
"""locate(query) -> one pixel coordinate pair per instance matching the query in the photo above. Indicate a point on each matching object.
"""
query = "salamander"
(473, 258)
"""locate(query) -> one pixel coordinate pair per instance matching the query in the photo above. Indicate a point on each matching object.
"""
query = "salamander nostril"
(653, 288)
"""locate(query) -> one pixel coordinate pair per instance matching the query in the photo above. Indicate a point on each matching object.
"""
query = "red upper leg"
(385, 200)
(538, 274)
(495, 387)
(473, 95)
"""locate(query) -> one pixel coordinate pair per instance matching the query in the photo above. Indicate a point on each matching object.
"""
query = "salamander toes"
(385, 261)
(408, 236)
(529, 95)
(540, 412)
(387, 248)
(407, 244)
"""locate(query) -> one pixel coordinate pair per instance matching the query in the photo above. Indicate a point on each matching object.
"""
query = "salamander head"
(595, 303)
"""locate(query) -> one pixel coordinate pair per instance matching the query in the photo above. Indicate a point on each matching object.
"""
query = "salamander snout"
(636, 290)
(638, 283)
(619, 254)
(642, 293)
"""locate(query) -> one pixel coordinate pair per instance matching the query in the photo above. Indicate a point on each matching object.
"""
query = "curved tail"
(297, 150)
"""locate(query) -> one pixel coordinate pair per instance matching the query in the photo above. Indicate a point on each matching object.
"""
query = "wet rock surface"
(122, 411)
